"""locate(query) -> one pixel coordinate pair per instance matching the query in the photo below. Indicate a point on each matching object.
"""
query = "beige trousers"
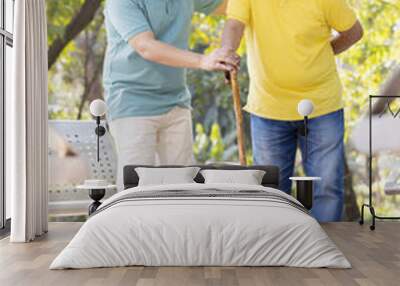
(157, 140)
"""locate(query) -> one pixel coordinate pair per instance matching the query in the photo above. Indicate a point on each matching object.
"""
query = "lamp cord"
(98, 138)
(306, 139)
(98, 147)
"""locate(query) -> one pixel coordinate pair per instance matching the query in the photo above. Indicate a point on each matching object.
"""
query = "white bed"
(268, 228)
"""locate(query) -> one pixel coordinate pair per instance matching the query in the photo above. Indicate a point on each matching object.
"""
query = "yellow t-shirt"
(289, 54)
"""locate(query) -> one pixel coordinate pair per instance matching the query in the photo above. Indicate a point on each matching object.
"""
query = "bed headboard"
(271, 177)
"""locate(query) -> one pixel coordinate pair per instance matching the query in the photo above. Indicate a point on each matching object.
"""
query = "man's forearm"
(341, 44)
(347, 39)
(165, 54)
(232, 35)
(156, 51)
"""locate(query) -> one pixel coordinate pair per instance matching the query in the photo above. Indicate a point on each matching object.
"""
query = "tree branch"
(78, 23)
(390, 87)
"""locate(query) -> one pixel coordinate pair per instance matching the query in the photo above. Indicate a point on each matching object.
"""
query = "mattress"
(201, 225)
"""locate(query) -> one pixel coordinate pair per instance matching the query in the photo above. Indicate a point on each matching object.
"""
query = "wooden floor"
(375, 257)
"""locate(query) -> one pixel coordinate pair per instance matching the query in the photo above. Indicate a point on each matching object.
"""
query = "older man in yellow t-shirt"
(291, 56)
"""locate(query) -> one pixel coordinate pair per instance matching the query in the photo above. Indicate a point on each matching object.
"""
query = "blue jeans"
(275, 143)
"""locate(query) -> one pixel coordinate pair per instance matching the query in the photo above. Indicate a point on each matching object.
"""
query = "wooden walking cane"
(232, 77)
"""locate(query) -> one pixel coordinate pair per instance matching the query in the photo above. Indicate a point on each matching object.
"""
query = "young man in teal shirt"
(145, 86)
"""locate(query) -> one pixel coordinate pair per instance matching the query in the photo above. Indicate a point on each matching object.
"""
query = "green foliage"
(212, 97)
(365, 67)
(206, 32)
(67, 76)
(363, 71)
(217, 146)
(59, 14)
(208, 147)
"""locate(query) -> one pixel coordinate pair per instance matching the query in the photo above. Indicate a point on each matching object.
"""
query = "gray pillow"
(166, 176)
(244, 177)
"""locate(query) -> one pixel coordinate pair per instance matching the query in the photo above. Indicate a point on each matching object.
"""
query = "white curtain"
(26, 120)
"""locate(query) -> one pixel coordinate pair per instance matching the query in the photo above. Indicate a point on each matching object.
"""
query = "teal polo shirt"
(135, 87)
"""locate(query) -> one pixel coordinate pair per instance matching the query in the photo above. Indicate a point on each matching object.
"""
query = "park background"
(77, 45)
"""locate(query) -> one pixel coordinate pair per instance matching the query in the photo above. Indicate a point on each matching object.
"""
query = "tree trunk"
(86, 87)
(351, 209)
(90, 78)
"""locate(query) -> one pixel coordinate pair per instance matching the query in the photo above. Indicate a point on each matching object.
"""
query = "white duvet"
(206, 231)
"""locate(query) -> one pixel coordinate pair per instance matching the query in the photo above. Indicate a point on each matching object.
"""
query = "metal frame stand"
(370, 205)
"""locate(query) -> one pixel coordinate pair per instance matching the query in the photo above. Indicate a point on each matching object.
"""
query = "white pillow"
(166, 176)
(245, 177)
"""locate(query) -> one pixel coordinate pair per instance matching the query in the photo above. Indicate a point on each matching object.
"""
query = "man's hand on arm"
(221, 59)
(148, 47)
(347, 39)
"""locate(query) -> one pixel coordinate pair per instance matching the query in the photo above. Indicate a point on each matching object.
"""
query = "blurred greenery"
(363, 70)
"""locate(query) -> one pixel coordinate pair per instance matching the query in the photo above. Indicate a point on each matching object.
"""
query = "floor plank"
(375, 257)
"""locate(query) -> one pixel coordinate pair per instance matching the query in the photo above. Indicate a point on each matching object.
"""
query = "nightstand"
(305, 190)
(97, 191)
